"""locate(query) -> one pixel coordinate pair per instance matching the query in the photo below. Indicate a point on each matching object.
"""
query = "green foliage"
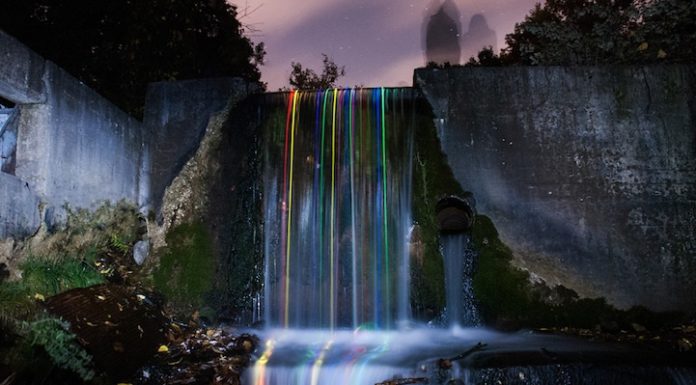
(117, 47)
(43, 277)
(187, 266)
(587, 32)
(54, 337)
(307, 79)
(432, 180)
(49, 276)
(16, 303)
(119, 245)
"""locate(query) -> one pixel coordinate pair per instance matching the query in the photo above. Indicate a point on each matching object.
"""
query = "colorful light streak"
(343, 219)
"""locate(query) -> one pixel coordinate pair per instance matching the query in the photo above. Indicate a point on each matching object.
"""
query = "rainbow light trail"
(341, 173)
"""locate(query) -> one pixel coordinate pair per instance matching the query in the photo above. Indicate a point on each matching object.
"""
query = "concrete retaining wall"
(73, 146)
(589, 174)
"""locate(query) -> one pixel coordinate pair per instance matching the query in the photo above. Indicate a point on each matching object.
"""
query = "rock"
(141, 250)
(638, 327)
(685, 345)
(444, 363)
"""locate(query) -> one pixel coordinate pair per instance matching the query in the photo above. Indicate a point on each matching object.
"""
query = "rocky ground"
(676, 338)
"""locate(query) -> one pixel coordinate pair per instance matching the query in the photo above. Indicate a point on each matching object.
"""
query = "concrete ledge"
(21, 72)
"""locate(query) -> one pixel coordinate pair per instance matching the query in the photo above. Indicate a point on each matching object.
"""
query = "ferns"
(52, 334)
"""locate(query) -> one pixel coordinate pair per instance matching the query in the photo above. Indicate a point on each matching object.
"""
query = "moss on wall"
(509, 299)
(506, 295)
(186, 267)
(432, 180)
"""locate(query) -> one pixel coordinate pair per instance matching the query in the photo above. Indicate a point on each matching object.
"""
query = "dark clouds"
(378, 41)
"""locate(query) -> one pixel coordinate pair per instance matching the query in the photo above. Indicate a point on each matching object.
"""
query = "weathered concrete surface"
(21, 72)
(78, 148)
(19, 208)
(589, 173)
(176, 117)
(72, 146)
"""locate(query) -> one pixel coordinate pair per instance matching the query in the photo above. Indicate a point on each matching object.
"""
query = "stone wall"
(589, 173)
(73, 146)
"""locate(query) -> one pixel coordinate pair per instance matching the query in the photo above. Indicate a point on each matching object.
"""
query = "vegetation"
(509, 299)
(117, 47)
(306, 79)
(78, 254)
(54, 337)
(186, 267)
(587, 32)
(506, 295)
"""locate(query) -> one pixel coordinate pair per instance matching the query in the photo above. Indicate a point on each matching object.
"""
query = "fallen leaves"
(203, 356)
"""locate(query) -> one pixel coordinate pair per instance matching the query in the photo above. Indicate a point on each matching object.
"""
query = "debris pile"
(199, 356)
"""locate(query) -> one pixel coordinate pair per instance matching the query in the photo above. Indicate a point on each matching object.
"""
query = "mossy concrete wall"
(589, 173)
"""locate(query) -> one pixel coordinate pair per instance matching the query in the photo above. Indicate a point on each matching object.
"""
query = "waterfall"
(337, 221)
(338, 208)
(459, 257)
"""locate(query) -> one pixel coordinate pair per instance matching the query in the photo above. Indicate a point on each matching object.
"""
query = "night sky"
(379, 42)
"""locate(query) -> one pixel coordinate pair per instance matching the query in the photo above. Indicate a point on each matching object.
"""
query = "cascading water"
(459, 270)
(337, 217)
(337, 209)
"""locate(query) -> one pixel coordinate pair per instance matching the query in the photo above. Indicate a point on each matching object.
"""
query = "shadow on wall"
(479, 36)
(441, 34)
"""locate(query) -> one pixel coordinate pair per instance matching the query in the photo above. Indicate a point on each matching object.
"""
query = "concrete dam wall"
(589, 173)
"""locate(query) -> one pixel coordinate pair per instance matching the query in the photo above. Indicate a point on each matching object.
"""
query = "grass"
(63, 259)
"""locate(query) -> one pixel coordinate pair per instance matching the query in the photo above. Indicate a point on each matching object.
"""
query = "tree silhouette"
(306, 79)
(588, 32)
(117, 47)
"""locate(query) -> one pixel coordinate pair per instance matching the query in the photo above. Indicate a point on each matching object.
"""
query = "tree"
(306, 79)
(566, 32)
(117, 47)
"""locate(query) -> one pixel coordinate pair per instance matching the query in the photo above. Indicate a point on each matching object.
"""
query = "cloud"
(369, 37)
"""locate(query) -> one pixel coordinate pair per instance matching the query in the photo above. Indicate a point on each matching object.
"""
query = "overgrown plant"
(54, 337)
(80, 253)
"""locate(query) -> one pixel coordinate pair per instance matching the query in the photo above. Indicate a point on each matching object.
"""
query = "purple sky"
(378, 41)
